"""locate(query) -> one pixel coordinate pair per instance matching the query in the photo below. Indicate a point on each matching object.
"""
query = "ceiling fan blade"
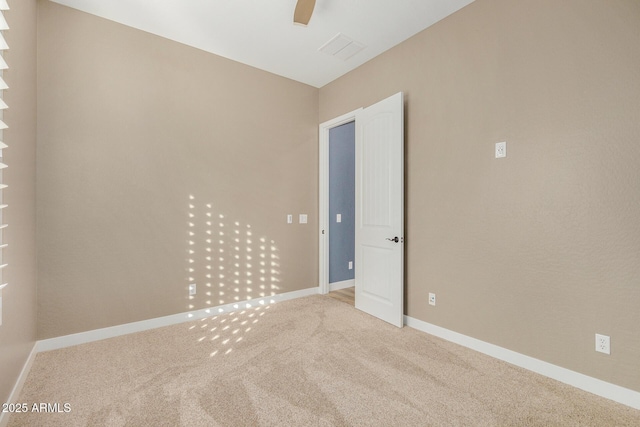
(303, 12)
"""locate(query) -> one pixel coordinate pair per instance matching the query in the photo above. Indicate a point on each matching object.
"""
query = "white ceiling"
(261, 33)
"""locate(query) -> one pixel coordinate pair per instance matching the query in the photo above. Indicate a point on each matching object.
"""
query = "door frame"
(323, 194)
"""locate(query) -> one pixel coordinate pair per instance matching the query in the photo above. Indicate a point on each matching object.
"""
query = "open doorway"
(337, 204)
(342, 206)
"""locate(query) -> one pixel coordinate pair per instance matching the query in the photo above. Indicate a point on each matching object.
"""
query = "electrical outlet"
(192, 289)
(501, 149)
(432, 299)
(603, 344)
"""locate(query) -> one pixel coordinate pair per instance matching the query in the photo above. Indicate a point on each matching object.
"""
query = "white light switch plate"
(303, 218)
(338, 217)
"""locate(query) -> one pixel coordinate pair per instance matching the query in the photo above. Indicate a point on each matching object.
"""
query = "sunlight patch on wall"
(228, 262)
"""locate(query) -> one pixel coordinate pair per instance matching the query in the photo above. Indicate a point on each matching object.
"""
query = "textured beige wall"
(539, 251)
(131, 126)
(18, 330)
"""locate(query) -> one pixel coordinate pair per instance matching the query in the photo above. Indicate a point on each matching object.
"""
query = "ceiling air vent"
(341, 47)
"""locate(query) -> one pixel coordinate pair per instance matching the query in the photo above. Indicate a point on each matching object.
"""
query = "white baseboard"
(144, 325)
(336, 286)
(592, 385)
(17, 388)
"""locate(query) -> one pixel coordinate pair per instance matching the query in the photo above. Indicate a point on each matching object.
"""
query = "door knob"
(395, 239)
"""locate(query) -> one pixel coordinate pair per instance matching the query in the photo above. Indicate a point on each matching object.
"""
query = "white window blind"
(3, 106)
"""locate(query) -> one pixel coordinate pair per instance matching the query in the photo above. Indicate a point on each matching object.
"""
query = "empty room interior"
(163, 261)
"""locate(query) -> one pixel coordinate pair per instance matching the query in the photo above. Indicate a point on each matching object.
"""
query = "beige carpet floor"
(313, 361)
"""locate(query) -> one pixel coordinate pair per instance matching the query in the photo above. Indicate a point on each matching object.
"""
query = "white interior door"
(379, 276)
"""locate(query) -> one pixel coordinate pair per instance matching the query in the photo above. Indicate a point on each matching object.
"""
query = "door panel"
(375, 286)
(376, 199)
(380, 210)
